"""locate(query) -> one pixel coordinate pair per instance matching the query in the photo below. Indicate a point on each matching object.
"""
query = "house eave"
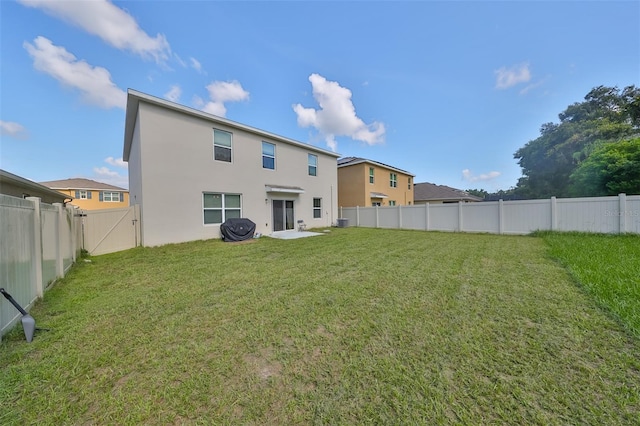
(133, 102)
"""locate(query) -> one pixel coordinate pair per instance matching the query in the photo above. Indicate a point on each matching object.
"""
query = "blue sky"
(445, 90)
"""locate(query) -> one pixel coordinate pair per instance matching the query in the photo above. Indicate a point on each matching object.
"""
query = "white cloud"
(106, 175)
(13, 129)
(117, 162)
(337, 115)
(469, 177)
(174, 93)
(196, 65)
(509, 77)
(112, 24)
(94, 83)
(221, 92)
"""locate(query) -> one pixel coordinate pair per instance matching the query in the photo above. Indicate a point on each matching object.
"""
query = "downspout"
(331, 224)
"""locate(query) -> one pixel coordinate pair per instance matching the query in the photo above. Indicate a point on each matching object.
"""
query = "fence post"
(37, 245)
(59, 254)
(460, 216)
(554, 214)
(426, 216)
(399, 216)
(500, 216)
(68, 211)
(357, 216)
(377, 221)
(623, 213)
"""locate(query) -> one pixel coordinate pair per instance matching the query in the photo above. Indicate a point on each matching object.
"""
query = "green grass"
(607, 267)
(356, 326)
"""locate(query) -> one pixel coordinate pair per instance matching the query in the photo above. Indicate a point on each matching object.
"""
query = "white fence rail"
(618, 214)
(40, 242)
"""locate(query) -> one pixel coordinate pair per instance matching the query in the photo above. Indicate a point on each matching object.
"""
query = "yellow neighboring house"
(367, 183)
(88, 194)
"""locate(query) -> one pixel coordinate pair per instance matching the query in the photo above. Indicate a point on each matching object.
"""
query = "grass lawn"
(356, 326)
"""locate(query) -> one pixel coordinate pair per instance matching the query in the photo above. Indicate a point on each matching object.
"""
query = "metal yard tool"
(28, 323)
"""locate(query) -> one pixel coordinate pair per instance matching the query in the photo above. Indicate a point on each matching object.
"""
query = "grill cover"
(237, 229)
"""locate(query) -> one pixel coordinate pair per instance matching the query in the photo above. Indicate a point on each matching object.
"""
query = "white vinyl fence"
(610, 215)
(39, 243)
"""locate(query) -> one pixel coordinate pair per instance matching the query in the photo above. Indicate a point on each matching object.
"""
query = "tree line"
(593, 151)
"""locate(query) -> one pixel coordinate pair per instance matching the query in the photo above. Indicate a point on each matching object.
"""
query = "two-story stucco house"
(88, 194)
(366, 183)
(189, 171)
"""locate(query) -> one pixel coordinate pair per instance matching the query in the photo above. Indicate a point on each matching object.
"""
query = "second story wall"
(366, 183)
(93, 199)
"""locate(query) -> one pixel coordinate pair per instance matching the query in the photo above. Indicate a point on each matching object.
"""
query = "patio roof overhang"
(378, 195)
(285, 189)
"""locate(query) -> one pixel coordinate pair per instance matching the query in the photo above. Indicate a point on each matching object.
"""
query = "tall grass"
(607, 267)
(356, 326)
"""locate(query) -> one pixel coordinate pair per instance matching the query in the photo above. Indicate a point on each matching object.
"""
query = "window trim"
(372, 177)
(318, 209)
(393, 180)
(103, 197)
(230, 147)
(309, 165)
(223, 209)
(269, 156)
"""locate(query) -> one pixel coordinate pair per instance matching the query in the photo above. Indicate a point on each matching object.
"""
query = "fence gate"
(111, 230)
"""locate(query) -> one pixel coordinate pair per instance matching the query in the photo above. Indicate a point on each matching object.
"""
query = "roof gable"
(351, 161)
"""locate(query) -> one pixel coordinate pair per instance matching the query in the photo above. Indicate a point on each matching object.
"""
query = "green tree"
(611, 169)
(477, 192)
(606, 115)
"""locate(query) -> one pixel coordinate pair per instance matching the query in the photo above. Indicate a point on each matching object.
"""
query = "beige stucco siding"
(352, 186)
(355, 188)
(175, 164)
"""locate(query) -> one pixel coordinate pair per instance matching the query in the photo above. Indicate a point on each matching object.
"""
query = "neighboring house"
(190, 171)
(367, 183)
(88, 194)
(425, 192)
(20, 187)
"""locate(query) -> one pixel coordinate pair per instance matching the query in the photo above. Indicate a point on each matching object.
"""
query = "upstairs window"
(313, 165)
(409, 186)
(111, 197)
(83, 195)
(371, 175)
(393, 180)
(268, 156)
(221, 145)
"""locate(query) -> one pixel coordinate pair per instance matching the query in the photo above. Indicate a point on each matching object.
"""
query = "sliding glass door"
(282, 215)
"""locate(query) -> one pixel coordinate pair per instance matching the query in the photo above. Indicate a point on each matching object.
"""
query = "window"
(371, 178)
(409, 186)
(313, 165)
(393, 180)
(83, 195)
(375, 203)
(268, 156)
(317, 208)
(392, 203)
(220, 207)
(111, 197)
(221, 145)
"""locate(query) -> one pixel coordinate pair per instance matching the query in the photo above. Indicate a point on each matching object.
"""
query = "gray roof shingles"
(426, 191)
(79, 183)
